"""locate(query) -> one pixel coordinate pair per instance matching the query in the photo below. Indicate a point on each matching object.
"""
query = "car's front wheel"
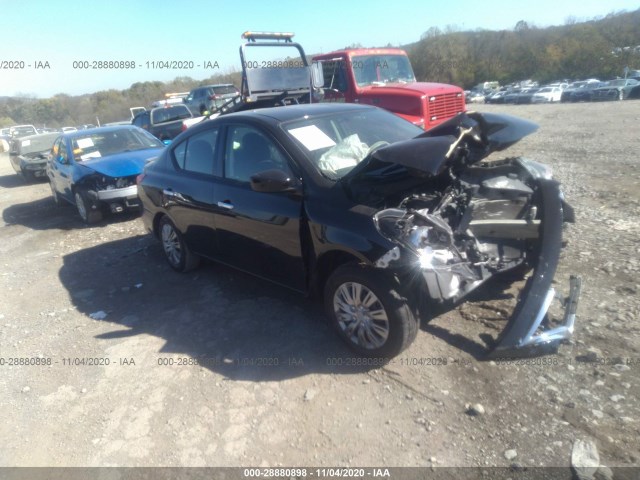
(87, 214)
(175, 248)
(369, 312)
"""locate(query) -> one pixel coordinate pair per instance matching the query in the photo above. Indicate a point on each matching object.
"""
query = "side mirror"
(317, 75)
(273, 181)
(62, 160)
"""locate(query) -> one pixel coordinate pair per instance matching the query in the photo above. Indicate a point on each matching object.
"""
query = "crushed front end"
(118, 194)
(473, 220)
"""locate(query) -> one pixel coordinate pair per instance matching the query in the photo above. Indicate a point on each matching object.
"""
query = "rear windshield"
(225, 89)
(170, 114)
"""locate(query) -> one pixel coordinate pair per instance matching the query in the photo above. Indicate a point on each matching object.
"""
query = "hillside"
(597, 48)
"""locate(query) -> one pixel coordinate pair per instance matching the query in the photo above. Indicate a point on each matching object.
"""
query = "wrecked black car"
(380, 218)
(96, 169)
(28, 155)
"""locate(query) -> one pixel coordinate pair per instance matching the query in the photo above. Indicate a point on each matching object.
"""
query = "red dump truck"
(383, 77)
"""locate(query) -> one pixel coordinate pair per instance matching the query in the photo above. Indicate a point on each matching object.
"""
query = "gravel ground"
(131, 364)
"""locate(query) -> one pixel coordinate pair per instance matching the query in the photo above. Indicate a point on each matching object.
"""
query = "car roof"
(295, 112)
(40, 135)
(168, 107)
(89, 131)
(216, 85)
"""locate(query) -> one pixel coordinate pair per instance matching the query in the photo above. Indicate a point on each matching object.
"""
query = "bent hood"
(434, 151)
(122, 164)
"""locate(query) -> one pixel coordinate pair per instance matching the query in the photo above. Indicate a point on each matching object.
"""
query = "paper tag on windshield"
(312, 137)
(84, 142)
(87, 156)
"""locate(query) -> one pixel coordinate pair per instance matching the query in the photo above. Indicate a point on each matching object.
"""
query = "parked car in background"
(496, 97)
(165, 123)
(96, 169)
(567, 93)
(584, 94)
(210, 98)
(68, 129)
(526, 94)
(619, 89)
(474, 97)
(511, 96)
(28, 155)
(18, 131)
(547, 95)
(381, 218)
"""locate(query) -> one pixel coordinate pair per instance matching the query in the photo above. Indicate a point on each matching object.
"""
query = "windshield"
(381, 69)
(336, 143)
(104, 143)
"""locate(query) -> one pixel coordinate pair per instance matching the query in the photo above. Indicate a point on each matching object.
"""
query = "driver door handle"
(226, 204)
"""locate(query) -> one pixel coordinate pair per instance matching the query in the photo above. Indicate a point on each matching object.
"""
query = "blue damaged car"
(96, 169)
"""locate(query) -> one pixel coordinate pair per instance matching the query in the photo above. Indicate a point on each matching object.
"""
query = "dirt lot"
(275, 386)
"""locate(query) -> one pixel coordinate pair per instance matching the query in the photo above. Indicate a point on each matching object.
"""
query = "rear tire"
(368, 311)
(175, 249)
(87, 214)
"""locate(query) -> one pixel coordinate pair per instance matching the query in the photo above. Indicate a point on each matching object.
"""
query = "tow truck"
(266, 82)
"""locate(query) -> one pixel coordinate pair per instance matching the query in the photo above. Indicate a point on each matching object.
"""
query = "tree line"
(104, 106)
(598, 48)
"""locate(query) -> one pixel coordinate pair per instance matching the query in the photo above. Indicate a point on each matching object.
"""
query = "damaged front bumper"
(118, 199)
(528, 332)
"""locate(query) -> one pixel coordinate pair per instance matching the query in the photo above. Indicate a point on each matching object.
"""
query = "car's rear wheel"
(369, 312)
(87, 214)
(175, 248)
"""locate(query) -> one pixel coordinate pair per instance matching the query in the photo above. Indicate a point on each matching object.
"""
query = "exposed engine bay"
(469, 220)
(486, 222)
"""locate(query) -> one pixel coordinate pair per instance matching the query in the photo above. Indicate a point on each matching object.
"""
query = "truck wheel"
(88, 215)
(366, 308)
(176, 250)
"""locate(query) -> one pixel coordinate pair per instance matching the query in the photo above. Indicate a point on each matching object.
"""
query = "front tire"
(87, 214)
(368, 311)
(175, 249)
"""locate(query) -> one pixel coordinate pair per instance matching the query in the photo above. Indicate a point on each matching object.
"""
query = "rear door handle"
(226, 204)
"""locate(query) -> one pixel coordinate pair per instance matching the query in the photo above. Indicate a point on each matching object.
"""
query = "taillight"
(184, 127)
(139, 178)
(213, 97)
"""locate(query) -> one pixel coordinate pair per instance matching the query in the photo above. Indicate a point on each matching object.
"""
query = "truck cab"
(383, 77)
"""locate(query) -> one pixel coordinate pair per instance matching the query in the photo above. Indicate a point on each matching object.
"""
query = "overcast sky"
(144, 33)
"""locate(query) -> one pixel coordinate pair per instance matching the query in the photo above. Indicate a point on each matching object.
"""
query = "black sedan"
(620, 89)
(379, 217)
